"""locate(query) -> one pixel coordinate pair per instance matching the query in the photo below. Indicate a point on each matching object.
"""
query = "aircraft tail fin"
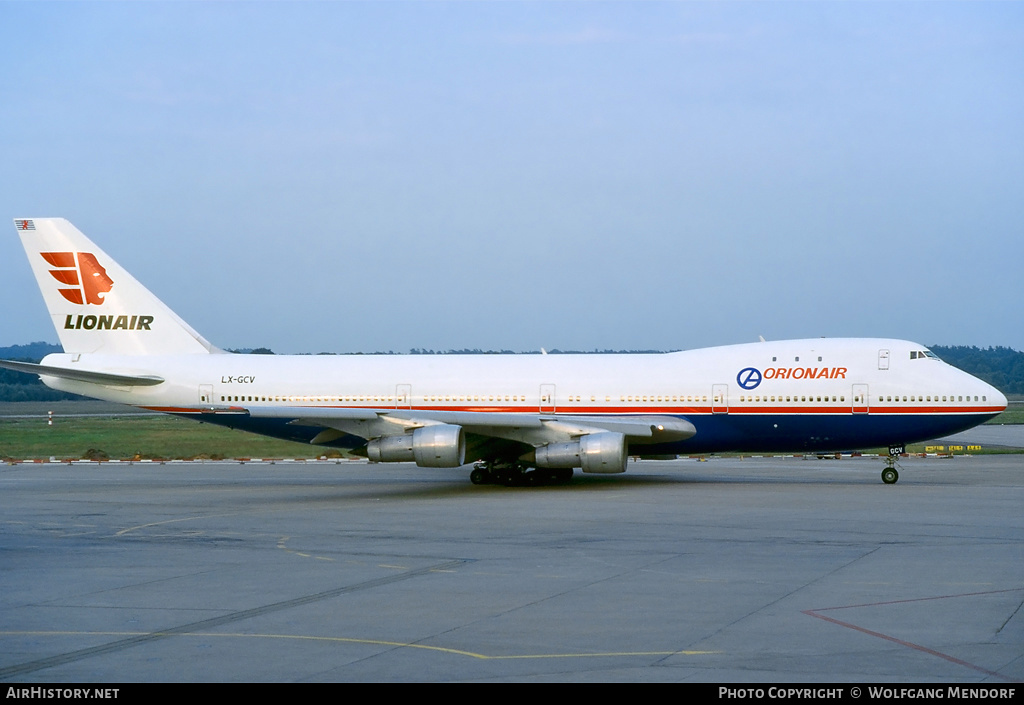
(97, 306)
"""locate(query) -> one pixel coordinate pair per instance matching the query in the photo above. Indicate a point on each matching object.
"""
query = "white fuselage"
(810, 380)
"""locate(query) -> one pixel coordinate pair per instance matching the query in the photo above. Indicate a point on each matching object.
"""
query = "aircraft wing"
(529, 428)
(106, 378)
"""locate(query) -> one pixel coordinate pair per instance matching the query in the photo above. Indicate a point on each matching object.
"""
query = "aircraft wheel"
(889, 476)
(479, 476)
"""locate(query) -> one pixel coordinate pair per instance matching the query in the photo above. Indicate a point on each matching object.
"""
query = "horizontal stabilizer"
(107, 378)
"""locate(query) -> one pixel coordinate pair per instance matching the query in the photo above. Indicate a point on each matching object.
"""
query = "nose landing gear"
(890, 475)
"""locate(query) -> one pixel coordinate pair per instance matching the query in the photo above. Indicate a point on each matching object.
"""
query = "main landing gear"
(517, 474)
(890, 475)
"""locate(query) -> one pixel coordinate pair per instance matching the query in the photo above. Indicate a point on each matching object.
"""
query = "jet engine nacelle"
(438, 446)
(596, 452)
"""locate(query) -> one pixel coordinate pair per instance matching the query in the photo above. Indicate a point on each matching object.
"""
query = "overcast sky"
(386, 176)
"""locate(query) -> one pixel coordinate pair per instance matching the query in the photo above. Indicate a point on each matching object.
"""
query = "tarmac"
(771, 570)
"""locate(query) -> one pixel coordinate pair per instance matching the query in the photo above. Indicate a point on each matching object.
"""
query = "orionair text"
(805, 373)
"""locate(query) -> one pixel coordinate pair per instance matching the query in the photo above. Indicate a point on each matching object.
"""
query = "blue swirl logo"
(749, 378)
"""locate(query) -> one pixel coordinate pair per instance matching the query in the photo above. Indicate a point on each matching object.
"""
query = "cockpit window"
(922, 354)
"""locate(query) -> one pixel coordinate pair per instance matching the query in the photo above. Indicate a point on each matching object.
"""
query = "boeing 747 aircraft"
(518, 417)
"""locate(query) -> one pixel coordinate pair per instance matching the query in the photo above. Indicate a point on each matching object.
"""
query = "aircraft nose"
(997, 397)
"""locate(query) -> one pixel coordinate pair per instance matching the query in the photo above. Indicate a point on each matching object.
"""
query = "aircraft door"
(403, 396)
(719, 398)
(883, 359)
(206, 394)
(860, 399)
(547, 398)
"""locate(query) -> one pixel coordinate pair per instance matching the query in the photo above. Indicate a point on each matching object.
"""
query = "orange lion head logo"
(87, 276)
